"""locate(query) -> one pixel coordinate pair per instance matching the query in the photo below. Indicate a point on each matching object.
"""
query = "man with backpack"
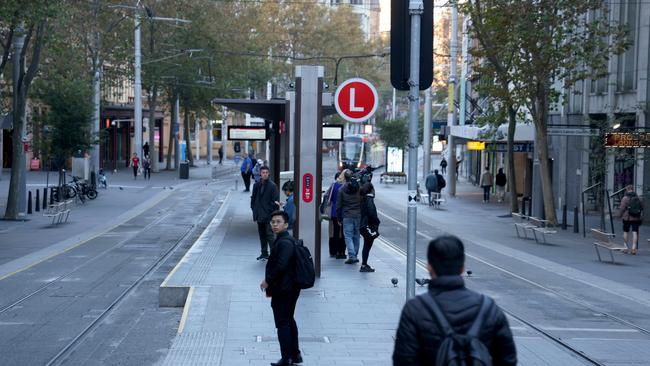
(348, 210)
(281, 285)
(631, 211)
(450, 324)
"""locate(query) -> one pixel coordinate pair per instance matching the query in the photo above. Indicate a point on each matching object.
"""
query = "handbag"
(368, 233)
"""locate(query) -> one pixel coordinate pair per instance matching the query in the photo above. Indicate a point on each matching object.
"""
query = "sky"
(384, 16)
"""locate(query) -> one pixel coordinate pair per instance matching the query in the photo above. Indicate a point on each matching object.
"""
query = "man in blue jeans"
(348, 209)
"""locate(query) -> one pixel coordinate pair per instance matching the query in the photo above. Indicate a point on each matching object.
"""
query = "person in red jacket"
(135, 164)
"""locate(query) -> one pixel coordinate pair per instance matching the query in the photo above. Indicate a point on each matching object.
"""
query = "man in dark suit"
(279, 286)
(264, 201)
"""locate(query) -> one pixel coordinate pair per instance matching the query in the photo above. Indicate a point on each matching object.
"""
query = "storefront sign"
(627, 139)
(571, 131)
(475, 145)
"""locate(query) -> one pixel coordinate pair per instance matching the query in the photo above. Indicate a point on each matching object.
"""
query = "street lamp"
(137, 67)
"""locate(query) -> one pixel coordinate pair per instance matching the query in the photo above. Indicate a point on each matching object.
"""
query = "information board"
(248, 133)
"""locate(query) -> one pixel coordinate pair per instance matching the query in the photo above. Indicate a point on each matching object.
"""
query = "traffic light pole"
(416, 8)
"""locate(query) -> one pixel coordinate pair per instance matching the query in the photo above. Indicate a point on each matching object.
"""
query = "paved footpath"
(25, 242)
(348, 318)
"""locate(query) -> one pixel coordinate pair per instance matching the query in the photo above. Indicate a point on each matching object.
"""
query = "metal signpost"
(308, 169)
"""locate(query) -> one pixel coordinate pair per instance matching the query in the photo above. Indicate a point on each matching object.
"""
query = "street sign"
(356, 100)
(475, 145)
(571, 131)
(521, 147)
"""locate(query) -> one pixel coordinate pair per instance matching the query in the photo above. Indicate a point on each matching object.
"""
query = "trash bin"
(184, 171)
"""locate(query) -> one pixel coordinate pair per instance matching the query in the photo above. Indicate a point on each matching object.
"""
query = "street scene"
(353, 182)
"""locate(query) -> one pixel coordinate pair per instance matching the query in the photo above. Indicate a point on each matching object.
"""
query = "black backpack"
(441, 182)
(305, 273)
(460, 349)
(635, 208)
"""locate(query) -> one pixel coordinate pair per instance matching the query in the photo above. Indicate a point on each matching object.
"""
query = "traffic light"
(400, 45)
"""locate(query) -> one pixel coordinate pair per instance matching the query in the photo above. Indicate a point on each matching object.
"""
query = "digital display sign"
(248, 133)
(332, 132)
(627, 139)
(475, 145)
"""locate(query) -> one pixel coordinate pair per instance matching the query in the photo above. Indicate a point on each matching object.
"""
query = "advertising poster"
(394, 160)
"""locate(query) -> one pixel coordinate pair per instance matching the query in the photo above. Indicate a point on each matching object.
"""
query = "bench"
(385, 178)
(59, 211)
(437, 199)
(540, 227)
(605, 241)
(522, 224)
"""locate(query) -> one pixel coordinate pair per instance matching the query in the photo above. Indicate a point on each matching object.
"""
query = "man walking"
(146, 167)
(348, 209)
(431, 184)
(263, 202)
(246, 171)
(279, 286)
(486, 184)
(443, 165)
(631, 212)
(420, 332)
(220, 154)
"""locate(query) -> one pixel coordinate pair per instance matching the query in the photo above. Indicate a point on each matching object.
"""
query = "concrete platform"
(348, 318)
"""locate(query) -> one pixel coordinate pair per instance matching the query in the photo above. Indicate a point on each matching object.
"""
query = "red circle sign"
(356, 100)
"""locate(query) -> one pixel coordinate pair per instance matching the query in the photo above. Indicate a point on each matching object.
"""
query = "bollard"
(29, 202)
(236, 185)
(576, 229)
(563, 217)
(523, 205)
(44, 198)
(37, 205)
(51, 195)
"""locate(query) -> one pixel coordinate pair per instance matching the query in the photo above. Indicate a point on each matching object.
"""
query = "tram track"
(522, 319)
(201, 224)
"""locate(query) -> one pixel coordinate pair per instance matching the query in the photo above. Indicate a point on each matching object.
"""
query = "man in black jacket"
(264, 201)
(419, 335)
(279, 286)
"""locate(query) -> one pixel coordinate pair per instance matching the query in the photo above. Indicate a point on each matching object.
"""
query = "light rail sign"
(247, 133)
(356, 100)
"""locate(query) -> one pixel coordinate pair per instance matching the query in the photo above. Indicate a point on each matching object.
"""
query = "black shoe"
(351, 261)
(355, 260)
(282, 362)
(297, 359)
(263, 257)
(332, 255)
(340, 256)
(366, 268)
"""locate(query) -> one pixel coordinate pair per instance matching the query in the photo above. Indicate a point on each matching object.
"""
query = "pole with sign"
(356, 100)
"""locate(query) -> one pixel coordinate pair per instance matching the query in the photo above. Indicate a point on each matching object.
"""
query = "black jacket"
(348, 202)
(263, 200)
(280, 268)
(369, 212)
(418, 335)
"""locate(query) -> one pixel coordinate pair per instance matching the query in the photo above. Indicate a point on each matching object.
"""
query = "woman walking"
(501, 182)
(369, 224)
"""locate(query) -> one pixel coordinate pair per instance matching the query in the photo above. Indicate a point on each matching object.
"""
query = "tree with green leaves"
(26, 22)
(545, 42)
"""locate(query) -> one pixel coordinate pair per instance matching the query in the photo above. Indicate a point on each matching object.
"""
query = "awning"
(523, 133)
(273, 109)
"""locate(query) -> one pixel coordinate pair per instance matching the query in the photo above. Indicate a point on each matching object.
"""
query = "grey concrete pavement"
(348, 318)
(26, 242)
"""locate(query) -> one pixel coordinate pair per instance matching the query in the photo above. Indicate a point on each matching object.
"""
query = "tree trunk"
(17, 161)
(153, 155)
(541, 143)
(512, 177)
(172, 135)
(188, 140)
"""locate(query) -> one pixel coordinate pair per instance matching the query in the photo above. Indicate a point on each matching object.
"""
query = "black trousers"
(147, 173)
(247, 180)
(266, 236)
(284, 307)
(135, 172)
(337, 241)
(367, 245)
(486, 193)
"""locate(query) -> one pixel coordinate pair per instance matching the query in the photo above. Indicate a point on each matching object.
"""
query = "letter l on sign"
(354, 108)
